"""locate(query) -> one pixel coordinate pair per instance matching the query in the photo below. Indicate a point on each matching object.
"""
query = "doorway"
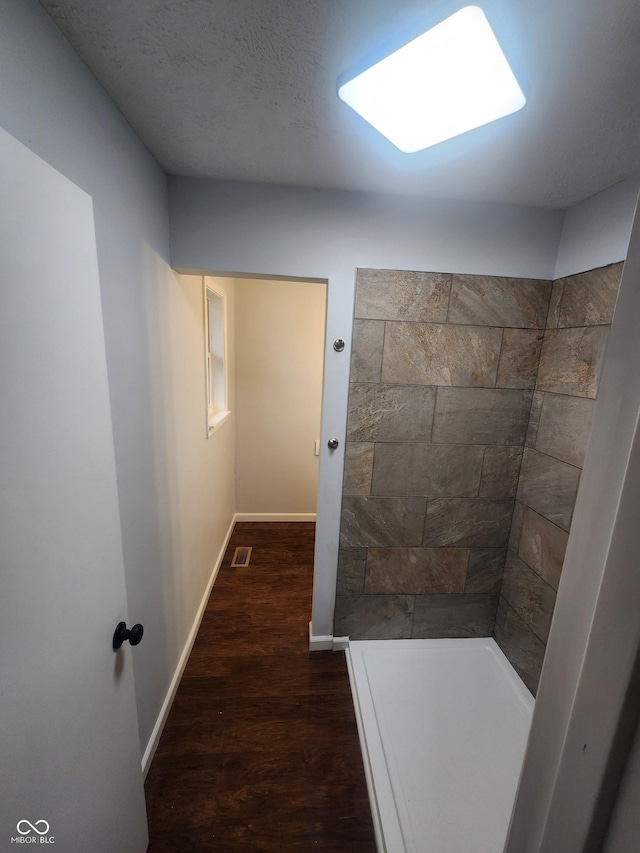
(277, 334)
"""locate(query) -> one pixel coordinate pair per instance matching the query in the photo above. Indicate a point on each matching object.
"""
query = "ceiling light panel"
(447, 81)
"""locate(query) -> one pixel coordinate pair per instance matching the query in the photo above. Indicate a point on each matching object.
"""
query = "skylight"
(447, 81)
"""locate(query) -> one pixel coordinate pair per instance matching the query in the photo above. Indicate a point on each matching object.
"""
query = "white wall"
(279, 355)
(596, 232)
(52, 104)
(303, 233)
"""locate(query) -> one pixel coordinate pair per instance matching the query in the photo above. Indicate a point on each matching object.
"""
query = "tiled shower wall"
(452, 377)
(580, 312)
(442, 379)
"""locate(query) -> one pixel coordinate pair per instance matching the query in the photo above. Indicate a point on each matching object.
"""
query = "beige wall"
(200, 470)
(279, 356)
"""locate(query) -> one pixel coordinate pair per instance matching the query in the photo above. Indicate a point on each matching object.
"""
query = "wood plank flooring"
(260, 751)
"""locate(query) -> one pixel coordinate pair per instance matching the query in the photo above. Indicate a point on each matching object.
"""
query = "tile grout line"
(495, 381)
(450, 297)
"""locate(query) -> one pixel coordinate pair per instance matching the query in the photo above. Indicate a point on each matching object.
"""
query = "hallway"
(260, 751)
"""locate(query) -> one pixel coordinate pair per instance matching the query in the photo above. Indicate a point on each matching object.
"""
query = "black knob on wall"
(122, 633)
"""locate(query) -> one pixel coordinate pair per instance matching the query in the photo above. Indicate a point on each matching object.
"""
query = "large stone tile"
(383, 522)
(522, 648)
(366, 350)
(428, 354)
(402, 295)
(500, 470)
(565, 426)
(416, 570)
(519, 358)
(374, 617)
(531, 598)
(358, 468)
(425, 469)
(542, 546)
(570, 360)
(467, 523)
(486, 300)
(516, 526)
(467, 615)
(390, 412)
(481, 416)
(548, 486)
(351, 568)
(484, 573)
(589, 298)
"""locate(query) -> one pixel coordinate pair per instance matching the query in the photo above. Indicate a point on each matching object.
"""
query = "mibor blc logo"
(33, 833)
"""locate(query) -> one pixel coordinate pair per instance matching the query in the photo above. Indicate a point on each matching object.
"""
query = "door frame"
(340, 299)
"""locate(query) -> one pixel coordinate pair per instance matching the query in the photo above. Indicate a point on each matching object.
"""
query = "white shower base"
(443, 727)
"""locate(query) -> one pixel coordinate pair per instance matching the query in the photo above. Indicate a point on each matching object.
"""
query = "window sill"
(216, 421)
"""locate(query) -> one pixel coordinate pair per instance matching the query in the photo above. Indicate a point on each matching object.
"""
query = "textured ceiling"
(246, 90)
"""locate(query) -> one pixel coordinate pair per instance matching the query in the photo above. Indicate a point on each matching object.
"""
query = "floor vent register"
(241, 557)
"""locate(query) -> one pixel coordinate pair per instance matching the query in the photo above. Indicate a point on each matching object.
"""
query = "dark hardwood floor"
(260, 751)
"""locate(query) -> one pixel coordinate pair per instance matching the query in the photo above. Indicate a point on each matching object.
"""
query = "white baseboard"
(326, 642)
(152, 745)
(275, 516)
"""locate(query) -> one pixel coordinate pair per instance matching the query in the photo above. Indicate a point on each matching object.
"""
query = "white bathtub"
(443, 728)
